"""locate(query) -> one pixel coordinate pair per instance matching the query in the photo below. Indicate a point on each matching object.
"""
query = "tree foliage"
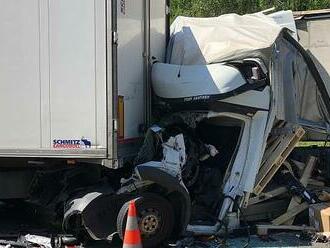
(203, 8)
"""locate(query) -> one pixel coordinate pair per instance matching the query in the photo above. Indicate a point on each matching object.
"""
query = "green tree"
(203, 8)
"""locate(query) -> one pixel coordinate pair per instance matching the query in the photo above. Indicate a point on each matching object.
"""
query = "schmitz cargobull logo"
(71, 144)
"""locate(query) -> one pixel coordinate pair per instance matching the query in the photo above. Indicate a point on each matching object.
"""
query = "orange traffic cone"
(132, 238)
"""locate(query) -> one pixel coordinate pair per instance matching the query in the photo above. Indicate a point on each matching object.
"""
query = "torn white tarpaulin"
(285, 19)
(212, 40)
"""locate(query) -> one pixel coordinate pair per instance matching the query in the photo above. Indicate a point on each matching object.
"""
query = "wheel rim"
(149, 222)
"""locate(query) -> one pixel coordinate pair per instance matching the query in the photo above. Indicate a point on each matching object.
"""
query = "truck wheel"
(155, 219)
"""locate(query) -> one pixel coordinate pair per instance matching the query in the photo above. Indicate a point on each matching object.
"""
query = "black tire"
(146, 206)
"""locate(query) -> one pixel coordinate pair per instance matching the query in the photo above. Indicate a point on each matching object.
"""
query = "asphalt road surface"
(19, 218)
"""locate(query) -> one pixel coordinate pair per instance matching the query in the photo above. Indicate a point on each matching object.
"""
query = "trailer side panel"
(53, 78)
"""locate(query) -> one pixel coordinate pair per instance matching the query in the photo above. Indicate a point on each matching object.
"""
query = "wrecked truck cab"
(256, 86)
(218, 108)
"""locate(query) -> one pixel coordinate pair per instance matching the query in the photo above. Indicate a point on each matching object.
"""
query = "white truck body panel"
(158, 26)
(53, 76)
(189, 81)
(130, 65)
(56, 88)
(131, 61)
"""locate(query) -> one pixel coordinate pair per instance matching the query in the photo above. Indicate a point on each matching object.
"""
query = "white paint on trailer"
(52, 74)
(131, 60)
(130, 65)
(158, 29)
(77, 70)
(56, 73)
(19, 74)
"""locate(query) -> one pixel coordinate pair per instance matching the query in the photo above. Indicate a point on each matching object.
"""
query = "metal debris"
(38, 240)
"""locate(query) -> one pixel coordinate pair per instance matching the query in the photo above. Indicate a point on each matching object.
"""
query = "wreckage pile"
(287, 188)
(290, 191)
(240, 173)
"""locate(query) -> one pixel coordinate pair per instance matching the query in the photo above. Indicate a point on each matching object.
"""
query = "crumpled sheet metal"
(202, 41)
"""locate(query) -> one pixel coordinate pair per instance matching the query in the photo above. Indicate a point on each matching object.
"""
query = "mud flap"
(96, 212)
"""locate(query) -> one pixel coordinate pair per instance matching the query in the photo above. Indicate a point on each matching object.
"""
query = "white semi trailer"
(74, 86)
(78, 79)
(65, 65)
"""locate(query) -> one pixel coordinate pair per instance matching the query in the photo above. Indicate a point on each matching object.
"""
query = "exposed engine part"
(173, 157)
(157, 147)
